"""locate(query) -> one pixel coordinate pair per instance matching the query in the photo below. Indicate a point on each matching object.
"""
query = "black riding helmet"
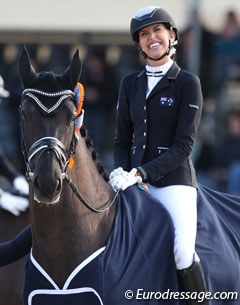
(151, 15)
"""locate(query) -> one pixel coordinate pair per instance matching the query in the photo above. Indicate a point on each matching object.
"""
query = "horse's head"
(48, 116)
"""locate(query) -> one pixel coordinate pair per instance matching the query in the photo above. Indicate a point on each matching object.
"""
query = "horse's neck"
(67, 233)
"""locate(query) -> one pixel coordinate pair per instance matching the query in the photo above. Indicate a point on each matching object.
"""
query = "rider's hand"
(21, 185)
(121, 180)
(116, 172)
(13, 204)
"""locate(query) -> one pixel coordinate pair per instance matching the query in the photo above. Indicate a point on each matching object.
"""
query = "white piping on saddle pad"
(62, 292)
(74, 272)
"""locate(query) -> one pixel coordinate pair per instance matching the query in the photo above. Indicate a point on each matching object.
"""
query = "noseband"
(44, 144)
(53, 144)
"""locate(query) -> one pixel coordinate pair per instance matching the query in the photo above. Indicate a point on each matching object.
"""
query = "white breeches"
(181, 203)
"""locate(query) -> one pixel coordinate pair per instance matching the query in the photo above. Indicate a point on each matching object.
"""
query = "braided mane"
(89, 144)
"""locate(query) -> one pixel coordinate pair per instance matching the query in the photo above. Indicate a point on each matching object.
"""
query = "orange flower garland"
(78, 112)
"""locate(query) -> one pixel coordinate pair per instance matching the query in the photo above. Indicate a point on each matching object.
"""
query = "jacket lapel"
(172, 73)
(140, 88)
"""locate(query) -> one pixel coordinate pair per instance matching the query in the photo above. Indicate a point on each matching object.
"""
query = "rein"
(84, 201)
(50, 143)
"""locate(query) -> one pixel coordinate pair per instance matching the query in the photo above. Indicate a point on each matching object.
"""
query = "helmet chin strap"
(171, 44)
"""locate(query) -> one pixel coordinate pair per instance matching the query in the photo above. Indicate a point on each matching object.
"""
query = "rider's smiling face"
(154, 41)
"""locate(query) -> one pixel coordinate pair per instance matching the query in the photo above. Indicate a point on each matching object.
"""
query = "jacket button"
(144, 134)
(144, 146)
(145, 120)
(144, 107)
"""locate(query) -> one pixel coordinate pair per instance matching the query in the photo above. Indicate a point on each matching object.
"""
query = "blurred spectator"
(19, 185)
(227, 51)
(15, 202)
(9, 115)
(200, 57)
(3, 92)
(228, 155)
(204, 149)
(231, 26)
(17, 180)
(100, 100)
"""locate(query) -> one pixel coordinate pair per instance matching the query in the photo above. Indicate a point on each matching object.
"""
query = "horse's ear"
(73, 72)
(27, 73)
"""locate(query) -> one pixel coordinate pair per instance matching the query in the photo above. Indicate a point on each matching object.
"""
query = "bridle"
(47, 143)
(44, 144)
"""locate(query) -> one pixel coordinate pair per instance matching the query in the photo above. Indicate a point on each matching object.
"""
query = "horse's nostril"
(47, 185)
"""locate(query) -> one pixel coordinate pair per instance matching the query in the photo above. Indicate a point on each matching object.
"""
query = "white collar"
(160, 69)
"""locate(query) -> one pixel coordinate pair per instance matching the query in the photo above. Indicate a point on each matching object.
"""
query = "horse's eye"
(72, 118)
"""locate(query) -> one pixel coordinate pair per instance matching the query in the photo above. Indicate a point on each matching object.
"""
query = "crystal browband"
(63, 95)
(49, 94)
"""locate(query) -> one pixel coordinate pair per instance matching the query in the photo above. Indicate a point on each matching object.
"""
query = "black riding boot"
(192, 280)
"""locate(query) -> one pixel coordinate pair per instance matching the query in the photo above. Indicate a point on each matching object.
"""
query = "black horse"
(90, 245)
(76, 219)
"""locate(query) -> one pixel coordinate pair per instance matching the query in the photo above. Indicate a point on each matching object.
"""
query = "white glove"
(124, 179)
(116, 172)
(20, 184)
(13, 204)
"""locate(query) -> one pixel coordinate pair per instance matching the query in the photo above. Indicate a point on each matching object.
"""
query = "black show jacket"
(158, 133)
